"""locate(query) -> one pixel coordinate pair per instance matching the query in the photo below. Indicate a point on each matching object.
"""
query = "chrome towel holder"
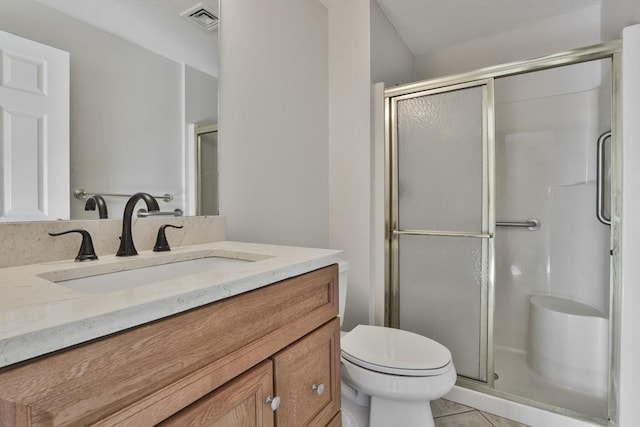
(82, 194)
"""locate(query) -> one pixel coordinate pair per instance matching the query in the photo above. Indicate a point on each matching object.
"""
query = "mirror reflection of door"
(34, 130)
(207, 146)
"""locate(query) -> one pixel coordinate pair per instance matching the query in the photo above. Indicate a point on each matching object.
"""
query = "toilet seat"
(395, 352)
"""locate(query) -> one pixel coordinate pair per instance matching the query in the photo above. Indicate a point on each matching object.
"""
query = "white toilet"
(389, 376)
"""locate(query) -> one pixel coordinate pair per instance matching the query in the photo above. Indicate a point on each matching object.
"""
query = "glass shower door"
(442, 219)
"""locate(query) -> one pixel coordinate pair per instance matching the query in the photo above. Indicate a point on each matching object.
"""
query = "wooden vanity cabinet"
(301, 377)
(214, 365)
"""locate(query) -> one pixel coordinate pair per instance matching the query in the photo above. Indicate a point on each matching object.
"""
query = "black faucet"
(86, 252)
(97, 200)
(126, 240)
(162, 245)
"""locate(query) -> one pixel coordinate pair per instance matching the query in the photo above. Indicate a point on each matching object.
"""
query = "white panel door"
(34, 124)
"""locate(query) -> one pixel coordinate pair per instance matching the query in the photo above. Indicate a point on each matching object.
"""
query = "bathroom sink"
(127, 279)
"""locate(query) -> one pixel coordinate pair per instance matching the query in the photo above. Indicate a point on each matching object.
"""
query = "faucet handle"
(96, 200)
(86, 252)
(162, 245)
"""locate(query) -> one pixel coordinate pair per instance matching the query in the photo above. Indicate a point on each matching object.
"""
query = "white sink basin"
(127, 279)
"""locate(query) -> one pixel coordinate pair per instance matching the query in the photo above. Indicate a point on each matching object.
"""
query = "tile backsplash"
(29, 242)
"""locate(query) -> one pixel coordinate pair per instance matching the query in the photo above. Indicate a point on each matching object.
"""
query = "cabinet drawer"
(238, 403)
(307, 378)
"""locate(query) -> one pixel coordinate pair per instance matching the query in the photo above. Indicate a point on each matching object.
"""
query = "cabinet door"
(307, 378)
(240, 403)
(336, 421)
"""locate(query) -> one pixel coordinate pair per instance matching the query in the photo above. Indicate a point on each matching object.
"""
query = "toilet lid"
(394, 351)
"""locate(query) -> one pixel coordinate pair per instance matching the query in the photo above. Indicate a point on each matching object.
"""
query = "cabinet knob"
(318, 388)
(273, 401)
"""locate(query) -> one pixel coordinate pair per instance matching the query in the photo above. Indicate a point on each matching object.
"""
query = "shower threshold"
(515, 377)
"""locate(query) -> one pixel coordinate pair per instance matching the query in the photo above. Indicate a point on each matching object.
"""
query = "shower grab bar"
(600, 181)
(532, 224)
(81, 194)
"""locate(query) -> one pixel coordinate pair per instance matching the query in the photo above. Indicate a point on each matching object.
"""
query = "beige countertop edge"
(123, 309)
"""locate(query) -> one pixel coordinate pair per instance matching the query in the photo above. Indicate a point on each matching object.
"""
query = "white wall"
(363, 48)
(350, 149)
(119, 143)
(616, 15)
(630, 245)
(552, 35)
(274, 167)
(391, 59)
(201, 96)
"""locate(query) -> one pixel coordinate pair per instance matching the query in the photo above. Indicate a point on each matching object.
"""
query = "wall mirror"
(143, 78)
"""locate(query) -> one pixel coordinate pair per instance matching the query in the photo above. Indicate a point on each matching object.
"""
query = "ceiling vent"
(201, 15)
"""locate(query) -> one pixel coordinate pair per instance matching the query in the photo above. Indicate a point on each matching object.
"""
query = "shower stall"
(502, 183)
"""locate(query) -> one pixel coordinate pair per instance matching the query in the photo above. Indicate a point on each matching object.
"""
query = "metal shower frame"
(485, 76)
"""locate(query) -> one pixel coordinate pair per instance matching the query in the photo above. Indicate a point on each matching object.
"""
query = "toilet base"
(360, 410)
(392, 413)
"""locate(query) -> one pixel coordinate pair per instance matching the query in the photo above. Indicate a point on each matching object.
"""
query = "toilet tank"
(343, 268)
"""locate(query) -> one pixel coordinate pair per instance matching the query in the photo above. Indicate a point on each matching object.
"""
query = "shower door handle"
(600, 187)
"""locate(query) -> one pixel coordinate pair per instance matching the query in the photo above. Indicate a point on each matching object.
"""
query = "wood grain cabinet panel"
(240, 403)
(336, 421)
(307, 378)
(142, 376)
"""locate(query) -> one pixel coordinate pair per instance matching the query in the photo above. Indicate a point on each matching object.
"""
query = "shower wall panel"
(546, 135)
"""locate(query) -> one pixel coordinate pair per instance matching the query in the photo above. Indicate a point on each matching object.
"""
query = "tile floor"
(451, 414)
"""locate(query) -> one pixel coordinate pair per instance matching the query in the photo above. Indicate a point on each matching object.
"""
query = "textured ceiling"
(426, 25)
(153, 24)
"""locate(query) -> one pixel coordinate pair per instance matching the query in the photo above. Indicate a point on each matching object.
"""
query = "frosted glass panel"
(440, 295)
(439, 146)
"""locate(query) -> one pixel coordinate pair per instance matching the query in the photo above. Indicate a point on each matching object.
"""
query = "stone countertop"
(38, 316)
